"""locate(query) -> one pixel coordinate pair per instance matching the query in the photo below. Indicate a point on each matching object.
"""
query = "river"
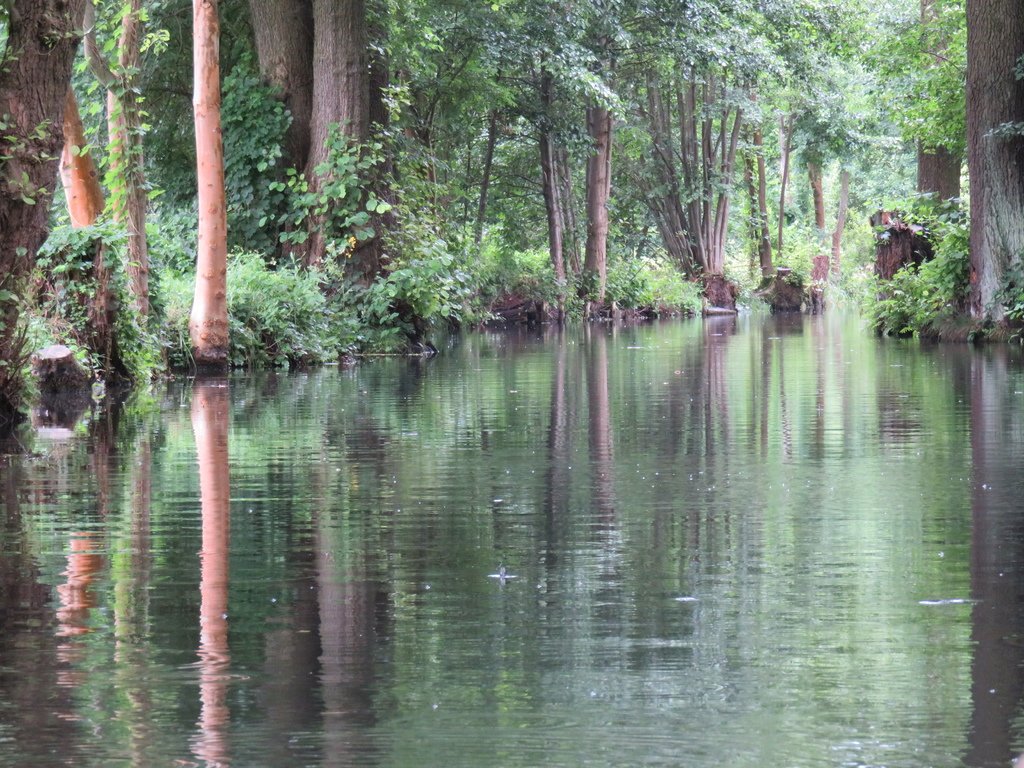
(744, 542)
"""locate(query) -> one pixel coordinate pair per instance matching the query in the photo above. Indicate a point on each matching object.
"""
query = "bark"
(938, 173)
(78, 174)
(208, 325)
(485, 181)
(995, 41)
(786, 145)
(666, 203)
(599, 181)
(837, 233)
(284, 45)
(210, 404)
(341, 97)
(42, 36)
(818, 194)
(570, 230)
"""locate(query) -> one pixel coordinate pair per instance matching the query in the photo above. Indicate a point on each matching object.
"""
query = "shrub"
(276, 317)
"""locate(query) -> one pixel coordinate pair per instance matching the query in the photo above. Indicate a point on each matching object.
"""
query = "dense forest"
(284, 182)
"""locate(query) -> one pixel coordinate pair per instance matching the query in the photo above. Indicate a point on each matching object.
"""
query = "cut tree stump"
(57, 371)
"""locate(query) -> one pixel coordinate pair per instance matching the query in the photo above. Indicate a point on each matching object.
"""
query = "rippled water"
(764, 542)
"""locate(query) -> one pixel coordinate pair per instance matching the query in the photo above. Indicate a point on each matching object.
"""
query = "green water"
(726, 543)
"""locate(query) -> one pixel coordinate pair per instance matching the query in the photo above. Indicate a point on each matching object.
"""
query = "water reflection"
(756, 544)
(210, 407)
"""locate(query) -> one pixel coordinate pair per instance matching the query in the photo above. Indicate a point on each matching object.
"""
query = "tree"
(995, 150)
(208, 325)
(35, 73)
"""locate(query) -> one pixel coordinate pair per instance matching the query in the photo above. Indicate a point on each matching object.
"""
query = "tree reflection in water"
(210, 404)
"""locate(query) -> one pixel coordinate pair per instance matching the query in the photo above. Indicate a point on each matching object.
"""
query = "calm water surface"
(746, 543)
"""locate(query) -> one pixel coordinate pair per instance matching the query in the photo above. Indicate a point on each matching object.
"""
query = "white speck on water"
(686, 599)
(945, 601)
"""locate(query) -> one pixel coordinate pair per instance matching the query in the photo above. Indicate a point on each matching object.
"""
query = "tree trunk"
(995, 41)
(785, 145)
(124, 120)
(284, 45)
(599, 180)
(765, 241)
(938, 170)
(43, 35)
(818, 195)
(570, 232)
(485, 181)
(837, 233)
(552, 191)
(938, 173)
(78, 175)
(208, 325)
(341, 97)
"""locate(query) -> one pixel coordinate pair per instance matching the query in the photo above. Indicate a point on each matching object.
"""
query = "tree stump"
(819, 280)
(56, 371)
(720, 295)
(785, 292)
(898, 244)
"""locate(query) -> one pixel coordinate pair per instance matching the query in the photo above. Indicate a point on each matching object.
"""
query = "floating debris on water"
(686, 599)
(502, 575)
(945, 601)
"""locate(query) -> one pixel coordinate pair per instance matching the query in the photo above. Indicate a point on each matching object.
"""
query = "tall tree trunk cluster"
(316, 53)
(42, 36)
(694, 144)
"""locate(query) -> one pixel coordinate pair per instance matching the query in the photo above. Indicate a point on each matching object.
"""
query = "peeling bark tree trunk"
(284, 45)
(208, 325)
(995, 41)
(78, 175)
(837, 233)
(599, 184)
(42, 36)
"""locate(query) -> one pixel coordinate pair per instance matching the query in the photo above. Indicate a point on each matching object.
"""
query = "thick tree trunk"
(995, 41)
(341, 97)
(81, 183)
(42, 36)
(208, 325)
(284, 45)
(817, 194)
(599, 181)
(837, 233)
(938, 173)
(765, 240)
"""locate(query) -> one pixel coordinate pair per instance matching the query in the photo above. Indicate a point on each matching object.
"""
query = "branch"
(97, 64)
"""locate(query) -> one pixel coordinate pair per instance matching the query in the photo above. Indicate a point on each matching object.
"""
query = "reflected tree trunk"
(210, 406)
(600, 428)
(997, 582)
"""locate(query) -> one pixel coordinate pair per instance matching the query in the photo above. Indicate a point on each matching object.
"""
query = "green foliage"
(65, 286)
(277, 317)
(916, 299)
(425, 285)
(255, 122)
(342, 199)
